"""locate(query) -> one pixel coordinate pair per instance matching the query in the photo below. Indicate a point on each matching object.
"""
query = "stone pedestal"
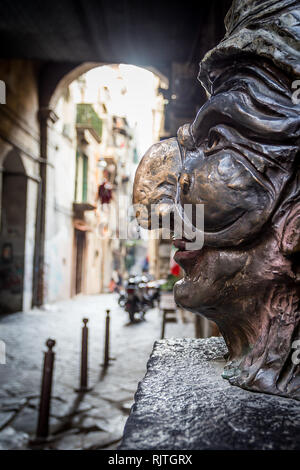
(183, 403)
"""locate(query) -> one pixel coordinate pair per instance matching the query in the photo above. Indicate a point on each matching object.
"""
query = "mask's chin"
(182, 293)
(193, 291)
(209, 283)
(194, 296)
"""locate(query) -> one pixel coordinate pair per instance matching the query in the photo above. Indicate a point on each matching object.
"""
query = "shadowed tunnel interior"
(142, 33)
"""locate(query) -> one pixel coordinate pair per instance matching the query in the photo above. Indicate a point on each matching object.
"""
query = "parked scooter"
(122, 298)
(139, 296)
(133, 302)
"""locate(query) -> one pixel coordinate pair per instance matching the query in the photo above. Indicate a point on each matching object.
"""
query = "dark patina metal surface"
(240, 158)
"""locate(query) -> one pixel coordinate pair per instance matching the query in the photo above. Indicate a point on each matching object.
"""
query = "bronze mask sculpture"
(240, 158)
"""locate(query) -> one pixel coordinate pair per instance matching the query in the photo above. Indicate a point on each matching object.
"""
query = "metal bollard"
(84, 359)
(106, 344)
(163, 326)
(45, 400)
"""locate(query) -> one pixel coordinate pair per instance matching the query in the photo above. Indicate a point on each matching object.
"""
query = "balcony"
(87, 118)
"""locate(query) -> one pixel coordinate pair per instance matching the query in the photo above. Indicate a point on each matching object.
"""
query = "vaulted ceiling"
(134, 31)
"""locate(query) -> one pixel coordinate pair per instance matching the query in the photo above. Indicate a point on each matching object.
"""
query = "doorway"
(12, 234)
(80, 246)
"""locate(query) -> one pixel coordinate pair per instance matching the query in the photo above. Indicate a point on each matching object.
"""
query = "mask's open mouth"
(185, 258)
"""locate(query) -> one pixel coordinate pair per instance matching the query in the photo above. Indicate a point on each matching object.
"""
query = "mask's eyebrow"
(274, 80)
(261, 156)
(254, 99)
(251, 115)
(249, 156)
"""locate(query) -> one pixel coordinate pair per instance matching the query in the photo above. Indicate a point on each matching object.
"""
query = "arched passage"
(55, 78)
(12, 234)
(53, 81)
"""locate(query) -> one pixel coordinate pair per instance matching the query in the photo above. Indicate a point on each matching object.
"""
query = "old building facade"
(20, 182)
(58, 238)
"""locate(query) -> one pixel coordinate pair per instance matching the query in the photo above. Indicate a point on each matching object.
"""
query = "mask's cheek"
(227, 189)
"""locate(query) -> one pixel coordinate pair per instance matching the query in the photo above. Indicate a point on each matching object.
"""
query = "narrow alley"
(76, 118)
(96, 419)
(149, 229)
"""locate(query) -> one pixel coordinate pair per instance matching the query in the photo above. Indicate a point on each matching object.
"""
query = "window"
(81, 177)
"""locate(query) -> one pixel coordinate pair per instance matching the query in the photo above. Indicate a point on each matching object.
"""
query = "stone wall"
(19, 134)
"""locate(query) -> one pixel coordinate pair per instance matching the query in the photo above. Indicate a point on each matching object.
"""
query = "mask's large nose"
(156, 179)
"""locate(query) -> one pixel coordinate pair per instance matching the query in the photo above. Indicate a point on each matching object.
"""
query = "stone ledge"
(183, 403)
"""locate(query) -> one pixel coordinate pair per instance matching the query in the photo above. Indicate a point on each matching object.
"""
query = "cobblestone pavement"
(96, 419)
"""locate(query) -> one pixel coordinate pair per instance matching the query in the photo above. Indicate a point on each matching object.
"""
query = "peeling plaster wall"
(60, 197)
(19, 121)
(19, 131)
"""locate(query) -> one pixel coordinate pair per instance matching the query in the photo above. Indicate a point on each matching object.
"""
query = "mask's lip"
(182, 251)
(188, 260)
(180, 244)
(185, 255)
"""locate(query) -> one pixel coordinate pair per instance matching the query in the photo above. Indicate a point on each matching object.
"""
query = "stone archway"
(54, 78)
(12, 233)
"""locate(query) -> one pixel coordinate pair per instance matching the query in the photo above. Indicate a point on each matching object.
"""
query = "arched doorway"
(12, 234)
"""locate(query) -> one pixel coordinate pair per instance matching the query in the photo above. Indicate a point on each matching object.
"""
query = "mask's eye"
(213, 140)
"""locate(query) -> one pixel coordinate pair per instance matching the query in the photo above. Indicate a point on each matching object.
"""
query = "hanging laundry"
(105, 192)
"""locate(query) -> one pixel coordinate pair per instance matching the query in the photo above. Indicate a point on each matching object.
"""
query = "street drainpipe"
(45, 116)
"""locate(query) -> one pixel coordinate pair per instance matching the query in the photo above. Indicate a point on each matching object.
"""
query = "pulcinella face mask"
(239, 160)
